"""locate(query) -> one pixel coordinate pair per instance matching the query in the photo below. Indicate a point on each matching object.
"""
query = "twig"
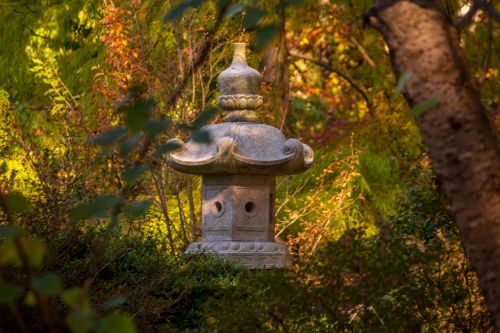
(341, 74)
(476, 5)
(363, 52)
(33, 107)
(462, 21)
(487, 54)
(489, 8)
(202, 55)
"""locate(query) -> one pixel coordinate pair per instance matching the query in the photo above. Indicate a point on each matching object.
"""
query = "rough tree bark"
(459, 139)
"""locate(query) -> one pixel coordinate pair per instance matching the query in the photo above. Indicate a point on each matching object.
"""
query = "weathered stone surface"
(239, 165)
(242, 148)
(239, 78)
(254, 255)
(240, 102)
(238, 207)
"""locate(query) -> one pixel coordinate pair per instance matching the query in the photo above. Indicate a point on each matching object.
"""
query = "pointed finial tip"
(239, 57)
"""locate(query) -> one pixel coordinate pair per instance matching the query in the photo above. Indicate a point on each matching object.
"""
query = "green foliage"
(116, 323)
(16, 203)
(424, 106)
(9, 292)
(49, 284)
(379, 181)
(97, 207)
(180, 8)
(109, 136)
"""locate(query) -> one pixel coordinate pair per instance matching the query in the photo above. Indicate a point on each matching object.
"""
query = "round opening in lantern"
(217, 209)
(249, 207)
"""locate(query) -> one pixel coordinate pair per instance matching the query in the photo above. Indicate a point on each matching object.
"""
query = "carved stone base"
(253, 255)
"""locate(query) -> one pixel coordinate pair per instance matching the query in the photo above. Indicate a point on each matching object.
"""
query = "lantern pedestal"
(253, 255)
(238, 220)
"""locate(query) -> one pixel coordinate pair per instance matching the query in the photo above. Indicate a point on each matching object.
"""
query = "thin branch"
(487, 55)
(201, 56)
(37, 10)
(33, 107)
(363, 52)
(342, 75)
(490, 9)
(461, 22)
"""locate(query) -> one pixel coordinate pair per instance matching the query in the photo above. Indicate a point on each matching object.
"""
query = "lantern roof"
(240, 145)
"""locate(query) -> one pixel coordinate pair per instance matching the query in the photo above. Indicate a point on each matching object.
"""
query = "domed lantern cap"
(239, 87)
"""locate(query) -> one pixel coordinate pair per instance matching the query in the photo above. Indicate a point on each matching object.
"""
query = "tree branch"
(489, 8)
(342, 75)
(461, 22)
(487, 55)
(198, 61)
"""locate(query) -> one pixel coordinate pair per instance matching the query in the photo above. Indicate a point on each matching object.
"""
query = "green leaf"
(137, 114)
(135, 209)
(109, 136)
(113, 223)
(288, 3)
(3, 168)
(8, 253)
(17, 203)
(97, 207)
(35, 250)
(10, 230)
(9, 292)
(134, 172)
(265, 35)
(403, 80)
(128, 146)
(293, 2)
(205, 117)
(167, 148)
(114, 302)
(179, 10)
(155, 127)
(222, 5)
(424, 106)
(49, 284)
(81, 321)
(253, 17)
(201, 136)
(72, 297)
(116, 323)
(235, 9)
(30, 299)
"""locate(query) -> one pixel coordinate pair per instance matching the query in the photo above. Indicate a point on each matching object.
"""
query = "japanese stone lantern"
(238, 167)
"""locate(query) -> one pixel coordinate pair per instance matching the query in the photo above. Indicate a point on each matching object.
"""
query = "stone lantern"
(238, 167)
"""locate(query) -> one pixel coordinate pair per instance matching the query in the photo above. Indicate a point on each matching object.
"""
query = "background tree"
(425, 46)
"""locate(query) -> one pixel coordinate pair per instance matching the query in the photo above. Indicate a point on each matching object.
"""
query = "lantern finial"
(239, 87)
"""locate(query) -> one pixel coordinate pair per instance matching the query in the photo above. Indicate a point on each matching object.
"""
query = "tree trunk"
(459, 139)
(274, 68)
